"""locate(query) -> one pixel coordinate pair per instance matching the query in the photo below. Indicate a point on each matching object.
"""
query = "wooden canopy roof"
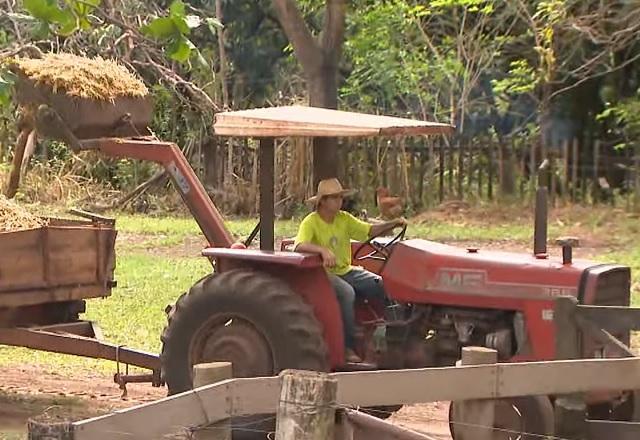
(301, 121)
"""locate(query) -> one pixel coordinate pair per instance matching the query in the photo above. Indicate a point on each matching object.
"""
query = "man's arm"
(328, 258)
(380, 228)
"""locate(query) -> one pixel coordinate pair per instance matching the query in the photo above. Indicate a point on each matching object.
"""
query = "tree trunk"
(507, 165)
(210, 153)
(323, 92)
(319, 58)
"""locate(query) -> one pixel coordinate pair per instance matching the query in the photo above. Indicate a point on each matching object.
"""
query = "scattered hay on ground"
(92, 78)
(14, 217)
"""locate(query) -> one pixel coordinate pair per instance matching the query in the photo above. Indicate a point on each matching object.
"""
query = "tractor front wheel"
(521, 418)
(251, 319)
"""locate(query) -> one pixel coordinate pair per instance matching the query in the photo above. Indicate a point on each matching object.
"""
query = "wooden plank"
(570, 409)
(73, 256)
(605, 429)
(154, 420)
(202, 406)
(21, 260)
(373, 388)
(52, 294)
(305, 121)
(52, 257)
(487, 381)
(604, 337)
(475, 418)
(264, 394)
(567, 333)
(564, 377)
(611, 318)
(206, 374)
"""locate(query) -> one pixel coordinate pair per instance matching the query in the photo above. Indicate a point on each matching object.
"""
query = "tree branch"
(334, 26)
(198, 96)
(304, 45)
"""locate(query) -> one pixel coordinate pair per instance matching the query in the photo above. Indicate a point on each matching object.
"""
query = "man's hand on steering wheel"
(381, 252)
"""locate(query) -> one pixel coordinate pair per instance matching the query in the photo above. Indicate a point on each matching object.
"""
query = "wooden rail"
(238, 397)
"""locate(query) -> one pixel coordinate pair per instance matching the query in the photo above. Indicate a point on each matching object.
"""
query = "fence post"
(206, 374)
(570, 409)
(475, 417)
(307, 406)
(46, 428)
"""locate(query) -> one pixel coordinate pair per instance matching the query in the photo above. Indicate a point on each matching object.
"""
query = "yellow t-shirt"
(335, 236)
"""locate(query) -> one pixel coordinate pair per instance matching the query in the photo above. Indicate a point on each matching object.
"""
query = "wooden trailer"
(46, 274)
(59, 263)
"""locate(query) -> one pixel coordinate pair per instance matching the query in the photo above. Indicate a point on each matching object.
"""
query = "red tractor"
(267, 310)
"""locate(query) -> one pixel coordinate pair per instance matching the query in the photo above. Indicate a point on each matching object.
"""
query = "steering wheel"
(380, 252)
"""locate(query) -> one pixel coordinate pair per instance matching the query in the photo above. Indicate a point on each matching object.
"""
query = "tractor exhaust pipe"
(541, 208)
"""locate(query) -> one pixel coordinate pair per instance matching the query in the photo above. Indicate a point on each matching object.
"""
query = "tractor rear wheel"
(251, 319)
(516, 418)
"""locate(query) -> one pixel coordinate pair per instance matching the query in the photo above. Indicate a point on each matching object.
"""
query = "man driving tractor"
(328, 231)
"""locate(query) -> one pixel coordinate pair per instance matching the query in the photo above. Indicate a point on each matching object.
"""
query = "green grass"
(461, 231)
(170, 231)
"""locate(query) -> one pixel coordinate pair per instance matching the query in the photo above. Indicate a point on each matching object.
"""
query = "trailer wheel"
(516, 418)
(249, 318)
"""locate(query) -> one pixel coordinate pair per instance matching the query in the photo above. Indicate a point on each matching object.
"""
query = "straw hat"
(330, 187)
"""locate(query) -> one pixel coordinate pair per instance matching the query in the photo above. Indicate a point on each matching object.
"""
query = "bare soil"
(30, 391)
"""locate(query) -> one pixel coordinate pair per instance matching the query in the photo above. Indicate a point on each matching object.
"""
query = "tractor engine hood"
(423, 268)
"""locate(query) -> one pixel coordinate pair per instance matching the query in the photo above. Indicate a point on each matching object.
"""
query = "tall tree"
(319, 57)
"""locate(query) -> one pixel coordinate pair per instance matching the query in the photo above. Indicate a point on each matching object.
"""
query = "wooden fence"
(427, 171)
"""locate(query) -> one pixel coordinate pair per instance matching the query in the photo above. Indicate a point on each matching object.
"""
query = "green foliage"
(64, 21)
(173, 32)
(549, 14)
(521, 79)
(625, 116)
(7, 81)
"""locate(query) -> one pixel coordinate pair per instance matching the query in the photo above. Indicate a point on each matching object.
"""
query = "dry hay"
(15, 218)
(97, 78)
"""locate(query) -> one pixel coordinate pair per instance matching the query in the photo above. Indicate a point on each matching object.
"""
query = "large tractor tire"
(516, 418)
(251, 319)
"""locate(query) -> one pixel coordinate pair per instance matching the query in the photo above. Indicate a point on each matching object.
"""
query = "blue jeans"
(357, 283)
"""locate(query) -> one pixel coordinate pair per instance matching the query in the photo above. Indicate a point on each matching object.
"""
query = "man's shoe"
(351, 357)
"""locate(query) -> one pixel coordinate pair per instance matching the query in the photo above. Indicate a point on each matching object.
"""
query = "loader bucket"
(88, 118)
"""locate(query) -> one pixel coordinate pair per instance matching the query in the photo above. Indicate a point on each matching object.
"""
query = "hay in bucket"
(14, 217)
(73, 75)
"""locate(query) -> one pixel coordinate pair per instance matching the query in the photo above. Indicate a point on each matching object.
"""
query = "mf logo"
(460, 278)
